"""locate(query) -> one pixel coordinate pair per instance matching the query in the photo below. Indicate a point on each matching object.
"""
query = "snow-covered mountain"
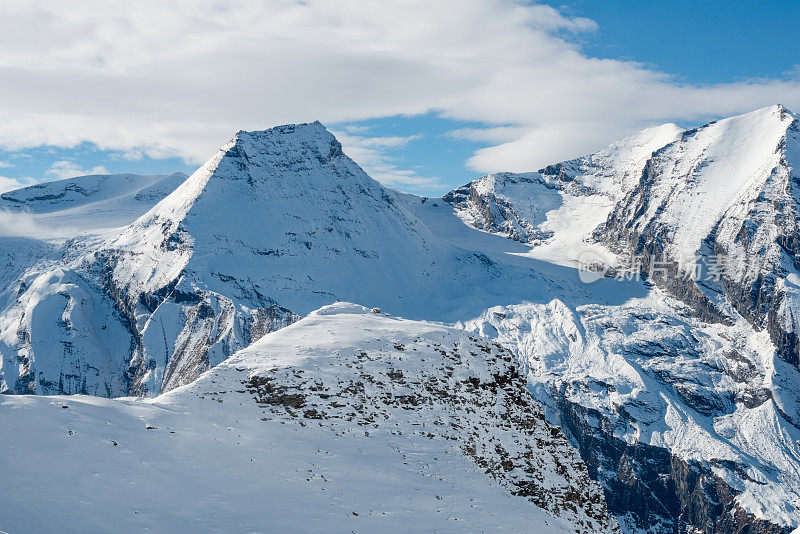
(86, 203)
(683, 400)
(664, 406)
(276, 224)
(348, 420)
(724, 197)
(558, 208)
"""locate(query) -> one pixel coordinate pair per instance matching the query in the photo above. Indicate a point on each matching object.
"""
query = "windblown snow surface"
(685, 411)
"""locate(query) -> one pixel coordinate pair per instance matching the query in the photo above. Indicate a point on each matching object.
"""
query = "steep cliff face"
(684, 423)
(715, 220)
(347, 420)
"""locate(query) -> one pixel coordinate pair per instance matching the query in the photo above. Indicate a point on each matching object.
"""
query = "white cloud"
(179, 78)
(8, 184)
(25, 224)
(68, 169)
(356, 128)
(4, 164)
(498, 134)
(374, 154)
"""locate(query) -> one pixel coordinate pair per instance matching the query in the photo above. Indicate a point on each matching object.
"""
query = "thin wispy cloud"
(68, 169)
(24, 224)
(497, 134)
(376, 157)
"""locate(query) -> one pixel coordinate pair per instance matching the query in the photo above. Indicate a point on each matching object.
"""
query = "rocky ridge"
(348, 418)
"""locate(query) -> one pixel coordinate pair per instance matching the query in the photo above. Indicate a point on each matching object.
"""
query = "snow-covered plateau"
(188, 325)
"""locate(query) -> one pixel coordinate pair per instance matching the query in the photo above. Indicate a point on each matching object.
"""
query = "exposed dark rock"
(654, 488)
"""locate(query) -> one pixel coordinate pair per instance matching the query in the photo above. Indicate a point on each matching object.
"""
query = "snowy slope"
(724, 197)
(345, 421)
(63, 314)
(556, 209)
(88, 203)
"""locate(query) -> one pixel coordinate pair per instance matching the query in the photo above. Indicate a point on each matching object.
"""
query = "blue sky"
(696, 42)
(699, 41)
(400, 112)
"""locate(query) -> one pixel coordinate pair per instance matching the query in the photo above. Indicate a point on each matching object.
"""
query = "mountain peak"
(783, 109)
(300, 129)
(305, 138)
(766, 115)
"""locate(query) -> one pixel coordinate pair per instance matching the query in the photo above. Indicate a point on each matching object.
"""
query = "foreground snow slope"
(345, 421)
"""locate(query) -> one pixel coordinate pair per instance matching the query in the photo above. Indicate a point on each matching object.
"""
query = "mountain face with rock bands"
(683, 401)
(724, 196)
(646, 293)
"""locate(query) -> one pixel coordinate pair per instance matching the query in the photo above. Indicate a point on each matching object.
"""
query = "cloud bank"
(179, 78)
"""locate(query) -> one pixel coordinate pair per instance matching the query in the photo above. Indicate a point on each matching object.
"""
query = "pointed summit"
(305, 139)
(277, 220)
(271, 193)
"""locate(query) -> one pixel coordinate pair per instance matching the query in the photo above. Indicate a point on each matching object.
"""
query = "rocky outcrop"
(651, 489)
(436, 383)
(739, 245)
(482, 205)
(493, 204)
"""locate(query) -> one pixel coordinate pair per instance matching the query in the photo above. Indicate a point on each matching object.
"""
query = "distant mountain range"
(648, 294)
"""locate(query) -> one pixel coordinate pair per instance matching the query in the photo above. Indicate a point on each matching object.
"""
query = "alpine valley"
(280, 343)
